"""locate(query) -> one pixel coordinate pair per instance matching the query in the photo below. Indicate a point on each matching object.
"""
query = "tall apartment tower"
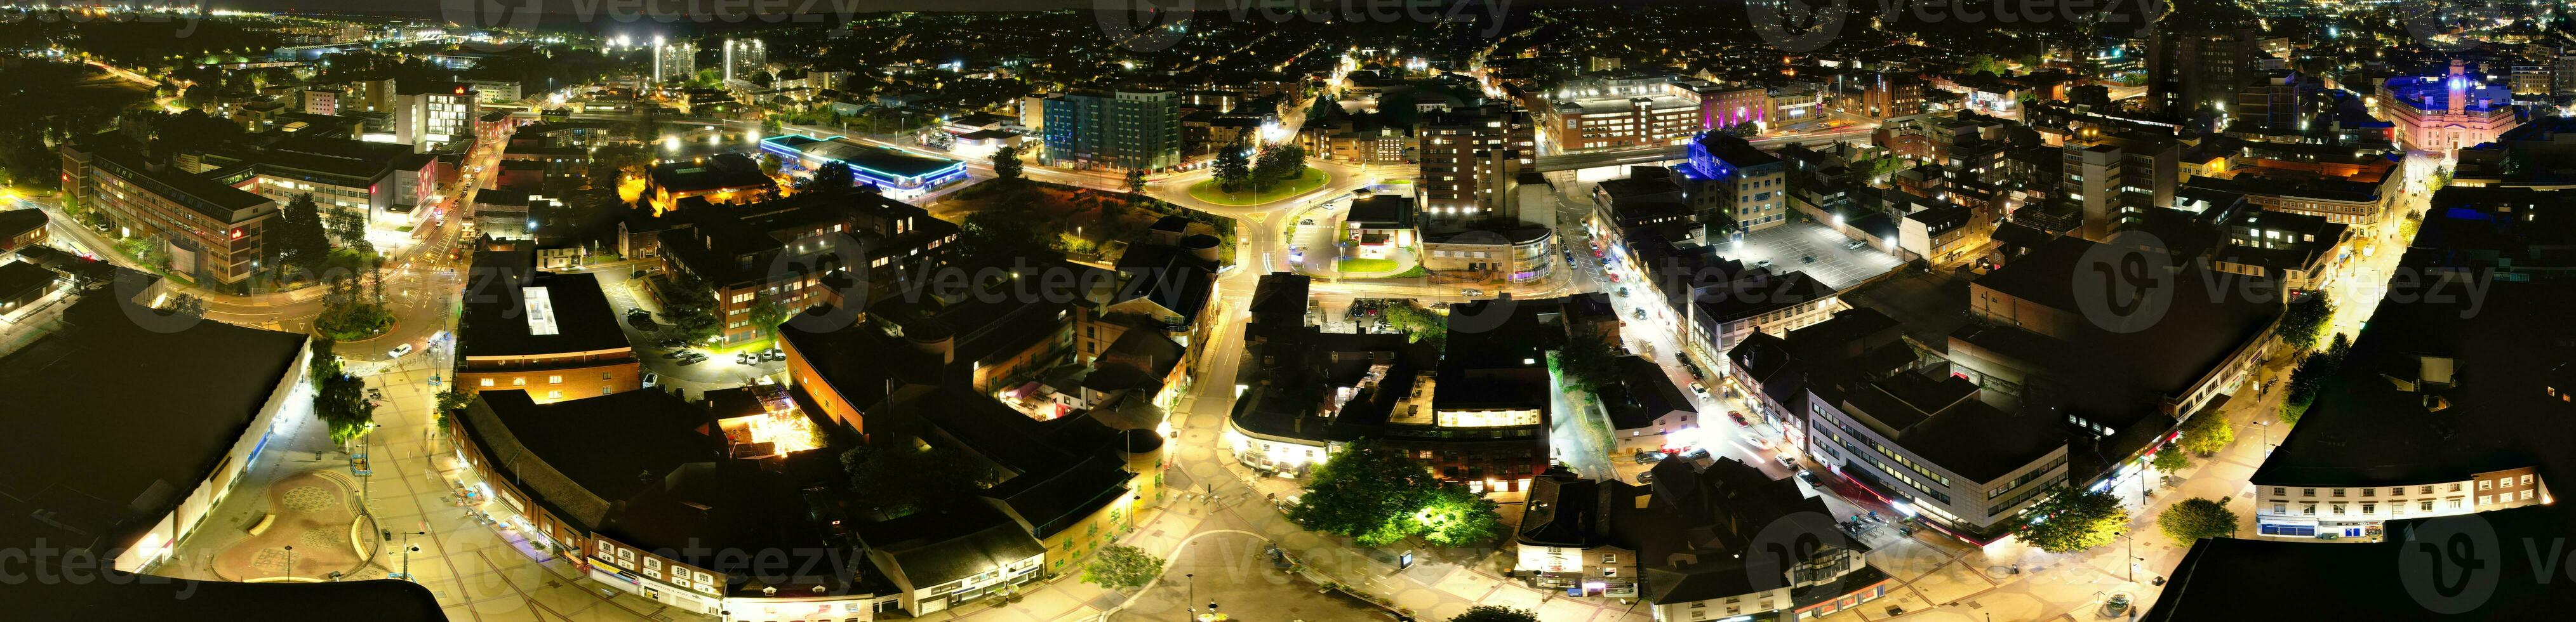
(2113, 178)
(744, 58)
(1470, 157)
(1116, 130)
(674, 61)
(2191, 69)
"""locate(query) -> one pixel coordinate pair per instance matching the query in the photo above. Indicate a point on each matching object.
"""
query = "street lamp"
(1187, 609)
(2267, 436)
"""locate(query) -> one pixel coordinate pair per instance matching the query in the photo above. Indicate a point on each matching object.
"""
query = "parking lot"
(1812, 248)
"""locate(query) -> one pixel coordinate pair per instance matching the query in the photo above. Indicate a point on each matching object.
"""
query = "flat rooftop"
(543, 313)
(119, 421)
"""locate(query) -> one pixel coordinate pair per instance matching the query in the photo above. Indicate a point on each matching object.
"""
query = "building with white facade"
(2434, 413)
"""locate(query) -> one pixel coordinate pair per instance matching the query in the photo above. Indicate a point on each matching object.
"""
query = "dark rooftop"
(2386, 417)
(537, 313)
(2239, 578)
(174, 401)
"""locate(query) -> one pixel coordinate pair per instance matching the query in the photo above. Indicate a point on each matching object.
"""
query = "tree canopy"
(2189, 520)
(2303, 322)
(2074, 520)
(339, 399)
(1122, 567)
(1495, 613)
(1379, 495)
(2206, 433)
(1006, 163)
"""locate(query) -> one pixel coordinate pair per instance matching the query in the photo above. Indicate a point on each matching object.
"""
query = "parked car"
(1766, 263)
(743, 358)
(651, 379)
(1701, 389)
(1650, 457)
(1695, 453)
(1471, 292)
(399, 351)
(1855, 245)
(1623, 291)
(691, 360)
(1646, 477)
(674, 354)
(1739, 418)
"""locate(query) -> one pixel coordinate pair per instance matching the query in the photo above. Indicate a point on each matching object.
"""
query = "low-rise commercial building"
(219, 396)
(550, 334)
(894, 172)
(2433, 413)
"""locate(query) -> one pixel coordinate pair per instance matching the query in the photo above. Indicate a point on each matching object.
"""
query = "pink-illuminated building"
(2443, 113)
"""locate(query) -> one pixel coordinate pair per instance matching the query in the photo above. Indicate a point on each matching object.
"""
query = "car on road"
(1855, 245)
(1701, 389)
(1695, 453)
(1471, 292)
(1651, 457)
(1646, 477)
(1623, 291)
(399, 351)
(1739, 418)
(691, 360)
(651, 379)
(1766, 263)
(1308, 221)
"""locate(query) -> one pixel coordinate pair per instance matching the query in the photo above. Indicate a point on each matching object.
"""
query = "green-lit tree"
(1495, 613)
(2074, 520)
(1122, 567)
(1417, 323)
(1135, 181)
(339, 399)
(2170, 459)
(1456, 517)
(2304, 322)
(1279, 163)
(1378, 495)
(2189, 520)
(2206, 433)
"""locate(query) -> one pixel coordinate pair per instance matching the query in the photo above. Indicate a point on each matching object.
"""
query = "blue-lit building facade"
(1733, 187)
(896, 173)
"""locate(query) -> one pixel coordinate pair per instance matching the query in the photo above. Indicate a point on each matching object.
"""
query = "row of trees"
(1238, 168)
(339, 399)
(2075, 521)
